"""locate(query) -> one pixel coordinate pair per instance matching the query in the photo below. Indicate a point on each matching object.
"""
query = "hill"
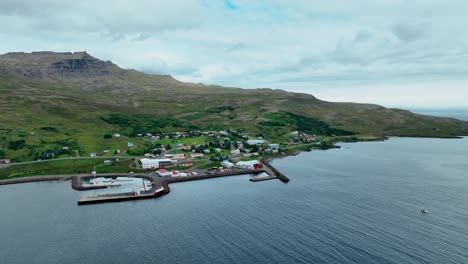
(52, 99)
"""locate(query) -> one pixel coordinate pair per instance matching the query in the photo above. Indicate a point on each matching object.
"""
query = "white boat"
(101, 181)
(424, 211)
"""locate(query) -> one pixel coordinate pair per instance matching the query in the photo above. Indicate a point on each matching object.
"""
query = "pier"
(160, 185)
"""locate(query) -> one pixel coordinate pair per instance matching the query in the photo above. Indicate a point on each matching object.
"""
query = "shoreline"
(267, 160)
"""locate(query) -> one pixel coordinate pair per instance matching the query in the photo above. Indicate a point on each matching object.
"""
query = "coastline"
(267, 160)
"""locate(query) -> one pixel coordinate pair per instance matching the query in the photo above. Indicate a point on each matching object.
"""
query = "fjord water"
(357, 204)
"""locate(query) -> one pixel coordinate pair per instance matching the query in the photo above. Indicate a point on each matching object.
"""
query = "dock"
(264, 178)
(83, 200)
(161, 185)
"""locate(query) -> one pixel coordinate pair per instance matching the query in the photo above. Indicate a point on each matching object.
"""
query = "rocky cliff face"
(44, 65)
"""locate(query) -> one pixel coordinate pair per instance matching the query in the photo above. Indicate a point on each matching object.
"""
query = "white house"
(175, 156)
(153, 163)
(196, 155)
(227, 164)
(235, 151)
(255, 141)
(108, 162)
(273, 146)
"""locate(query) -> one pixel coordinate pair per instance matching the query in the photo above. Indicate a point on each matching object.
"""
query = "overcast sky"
(391, 52)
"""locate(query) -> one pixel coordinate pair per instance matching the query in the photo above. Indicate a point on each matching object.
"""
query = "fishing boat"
(424, 211)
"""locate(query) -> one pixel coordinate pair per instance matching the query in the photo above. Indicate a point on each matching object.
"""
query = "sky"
(396, 53)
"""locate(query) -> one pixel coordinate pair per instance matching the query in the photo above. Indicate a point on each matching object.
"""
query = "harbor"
(158, 185)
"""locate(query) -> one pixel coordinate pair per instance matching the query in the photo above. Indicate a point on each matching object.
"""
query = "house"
(93, 154)
(108, 162)
(196, 155)
(175, 156)
(154, 163)
(251, 164)
(130, 144)
(218, 150)
(65, 148)
(206, 151)
(163, 173)
(247, 154)
(106, 151)
(185, 148)
(116, 135)
(5, 161)
(117, 151)
(227, 164)
(223, 132)
(273, 146)
(255, 141)
(235, 152)
(48, 155)
(186, 164)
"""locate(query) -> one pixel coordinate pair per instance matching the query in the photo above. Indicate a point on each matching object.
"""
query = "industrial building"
(154, 163)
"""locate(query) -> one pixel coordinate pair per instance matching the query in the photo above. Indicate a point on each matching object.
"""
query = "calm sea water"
(461, 114)
(357, 204)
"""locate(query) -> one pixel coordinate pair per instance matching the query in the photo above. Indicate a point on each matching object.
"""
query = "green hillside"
(50, 100)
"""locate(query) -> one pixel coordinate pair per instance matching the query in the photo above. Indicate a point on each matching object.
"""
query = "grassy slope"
(64, 167)
(75, 108)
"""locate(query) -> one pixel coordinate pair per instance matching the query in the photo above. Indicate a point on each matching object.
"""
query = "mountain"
(76, 97)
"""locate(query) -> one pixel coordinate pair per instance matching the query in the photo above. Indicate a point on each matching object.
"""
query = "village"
(216, 151)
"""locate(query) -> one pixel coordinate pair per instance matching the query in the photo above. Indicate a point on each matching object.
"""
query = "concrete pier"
(264, 178)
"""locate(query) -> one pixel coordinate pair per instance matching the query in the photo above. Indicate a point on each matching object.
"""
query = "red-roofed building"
(163, 172)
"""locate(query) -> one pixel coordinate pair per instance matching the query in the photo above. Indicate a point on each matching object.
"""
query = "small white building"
(273, 146)
(108, 162)
(235, 151)
(93, 154)
(196, 155)
(153, 163)
(227, 164)
(255, 141)
(175, 156)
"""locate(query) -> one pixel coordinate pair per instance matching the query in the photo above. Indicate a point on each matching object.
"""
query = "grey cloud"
(236, 47)
(409, 31)
(363, 35)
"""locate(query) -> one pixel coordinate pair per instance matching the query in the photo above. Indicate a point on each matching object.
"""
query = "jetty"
(160, 185)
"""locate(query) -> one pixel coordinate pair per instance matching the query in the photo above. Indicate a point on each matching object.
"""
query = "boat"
(101, 181)
(424, 211)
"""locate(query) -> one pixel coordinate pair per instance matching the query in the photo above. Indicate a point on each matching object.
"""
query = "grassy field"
(64, 167)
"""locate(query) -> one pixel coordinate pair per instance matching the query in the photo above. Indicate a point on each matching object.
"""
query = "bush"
(107, 136)
(15, 145)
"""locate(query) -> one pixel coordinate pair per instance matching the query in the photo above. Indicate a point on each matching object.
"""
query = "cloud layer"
(341, 50)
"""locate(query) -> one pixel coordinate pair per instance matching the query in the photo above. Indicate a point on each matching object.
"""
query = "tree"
(106, 136)
(15, 145)
(2, 154)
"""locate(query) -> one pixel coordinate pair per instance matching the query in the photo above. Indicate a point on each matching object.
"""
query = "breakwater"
(279, 174)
